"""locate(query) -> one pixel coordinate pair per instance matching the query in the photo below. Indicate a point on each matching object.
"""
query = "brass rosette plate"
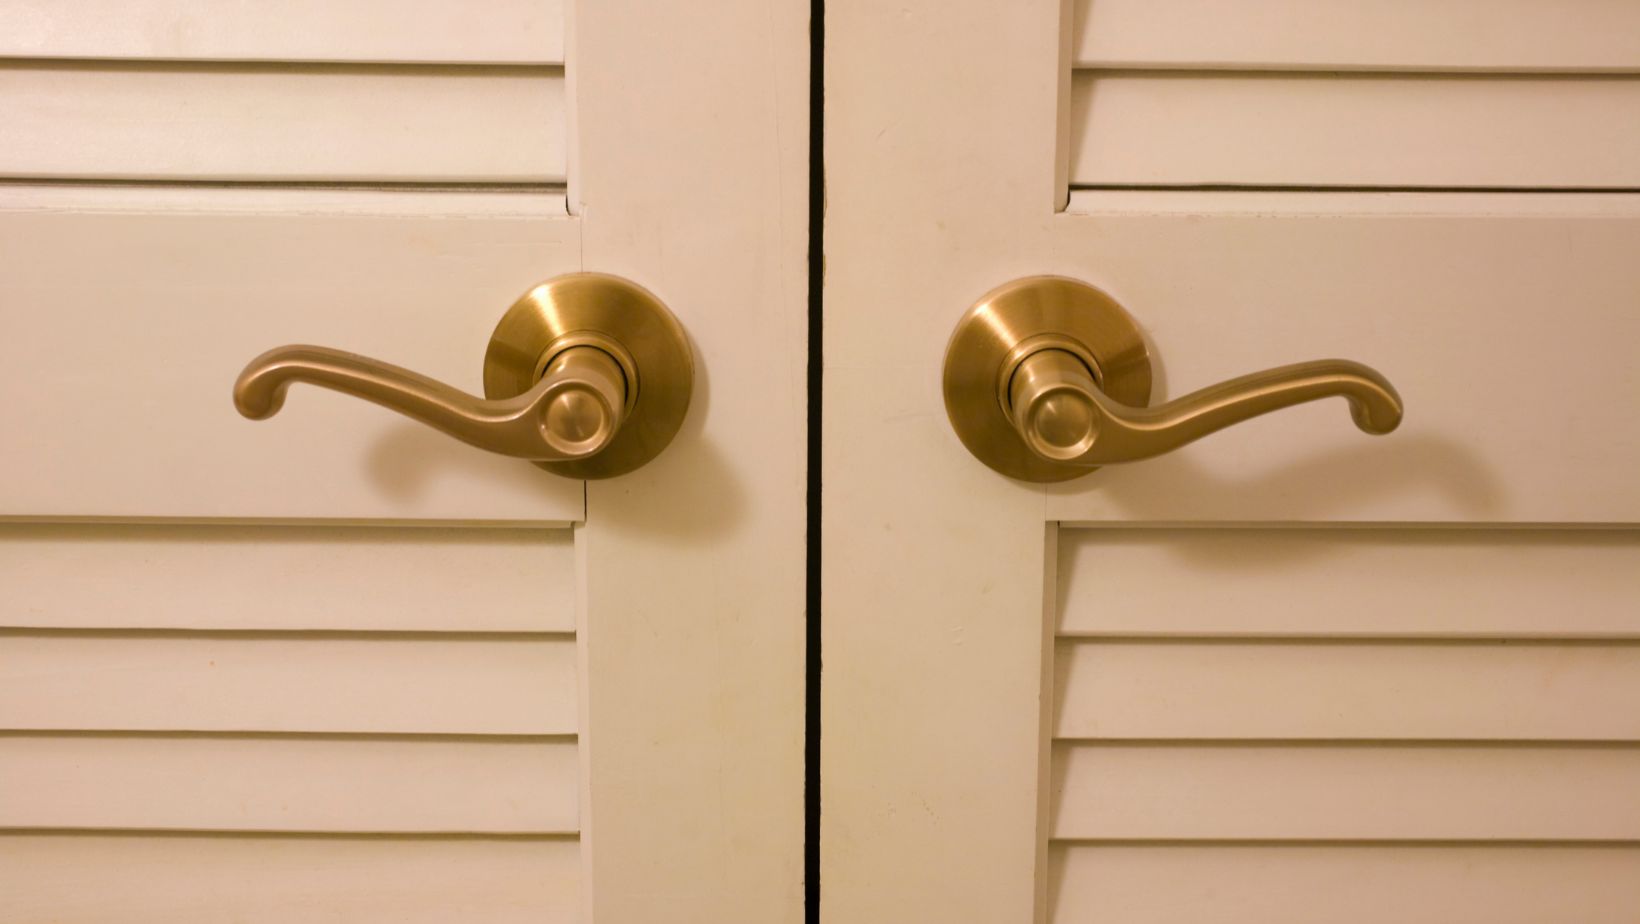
(579, 310)
(999, 331)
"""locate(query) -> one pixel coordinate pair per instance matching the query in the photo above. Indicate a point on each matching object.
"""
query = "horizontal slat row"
(1345, 792)
(1365, 690)
(282, 123)
(1403, 583)
(272, 880)
(1193, 128)
(402, 31)
(1304, 884)
(275, 783)
(151, 576)
(280, 683)
(1424, 35)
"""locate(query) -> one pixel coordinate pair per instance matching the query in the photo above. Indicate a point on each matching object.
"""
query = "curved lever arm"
(1062, 414)
(571, 413)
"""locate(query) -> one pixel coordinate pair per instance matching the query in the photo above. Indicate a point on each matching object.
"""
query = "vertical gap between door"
(816, 330)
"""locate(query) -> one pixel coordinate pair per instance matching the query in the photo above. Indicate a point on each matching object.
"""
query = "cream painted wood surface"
(379, 683)
(265, 122)
(1354, 884)
(184, 680)
(391, 31)
(216, 577)
(1352, 93)
(1448, 306)
(1196, 791)
(1289, 673)
(309, 784)
(1369, 690)
(275, 879)
(359, 91)
(199, 296)
(1165, 128)
(1332, 35)
(1280, 583)
(1438, 694)
(335, 665)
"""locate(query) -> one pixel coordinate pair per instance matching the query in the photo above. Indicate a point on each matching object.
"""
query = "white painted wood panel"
(467, 202)
(88, 298)
(177, 576)
(280, 683)
(683, 755)
(1510, 331)
(1350, 582)
(277, 783)
(1306, 130)
(1385, 704)
(1345, 885)
(1345, 792)
(443, 31)
(693, 172)
(1492, 35)
(1296, 689)
(124, 879)
(1450, 308)
(390, 660)
(282, 123)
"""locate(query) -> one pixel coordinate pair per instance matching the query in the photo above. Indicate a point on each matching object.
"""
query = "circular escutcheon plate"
(561, 312)
(985, 347)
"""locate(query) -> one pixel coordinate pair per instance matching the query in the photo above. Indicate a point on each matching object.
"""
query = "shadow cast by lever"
(1335, 484)
(408, 459)
(690, 492)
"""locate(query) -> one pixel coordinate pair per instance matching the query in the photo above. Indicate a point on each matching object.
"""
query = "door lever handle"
(1047, 379)
(571, 413)
(1062, 414)
(586, 375)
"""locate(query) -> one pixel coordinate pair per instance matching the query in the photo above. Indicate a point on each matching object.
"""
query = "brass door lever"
(1048, 378)
(587, 375)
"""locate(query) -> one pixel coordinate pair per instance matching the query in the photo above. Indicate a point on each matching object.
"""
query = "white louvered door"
(1289, 673)
(336, 666)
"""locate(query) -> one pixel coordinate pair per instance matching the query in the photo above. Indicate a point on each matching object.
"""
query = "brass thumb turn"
(1048, 378)
(587, 375)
